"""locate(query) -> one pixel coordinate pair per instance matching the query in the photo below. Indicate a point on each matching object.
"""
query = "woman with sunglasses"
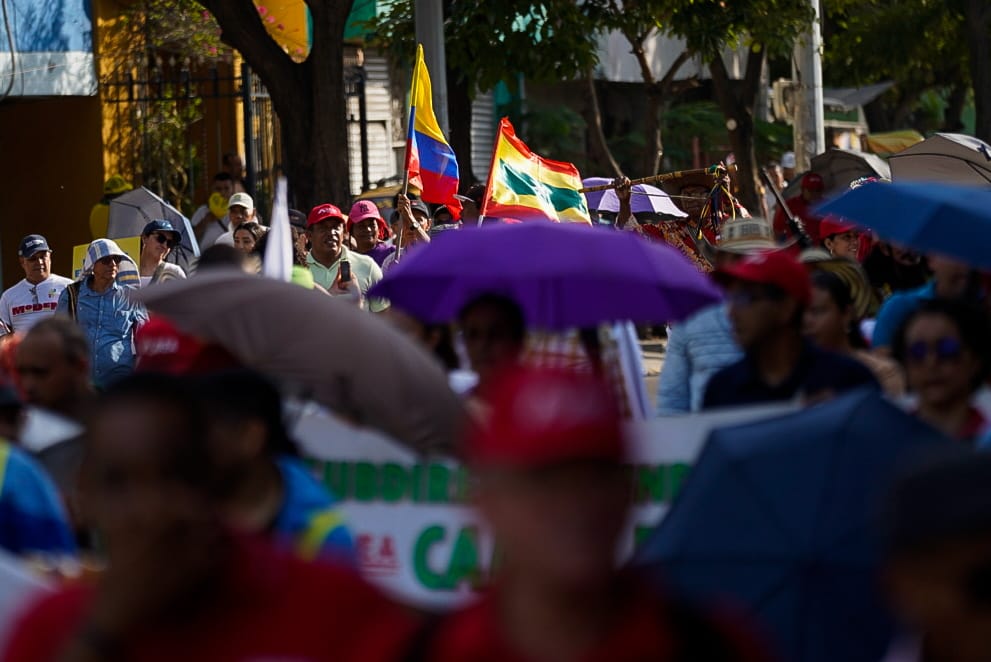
(944, 347)
(157, 241)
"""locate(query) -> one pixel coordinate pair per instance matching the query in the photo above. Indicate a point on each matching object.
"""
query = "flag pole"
(715, 171)
(488, 184)
(409, 141)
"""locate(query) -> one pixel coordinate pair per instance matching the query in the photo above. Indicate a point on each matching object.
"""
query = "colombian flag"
(430, 163)
(525, 186)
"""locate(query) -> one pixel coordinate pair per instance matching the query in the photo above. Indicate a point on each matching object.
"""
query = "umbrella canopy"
(776, 515)
(349, 360)
(950, 158)
(593, 197)
(130, 212)
(562, 276)
(940, 218)
(644, 199)
(838, 168)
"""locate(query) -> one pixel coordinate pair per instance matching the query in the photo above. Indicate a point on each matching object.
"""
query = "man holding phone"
(334, 267)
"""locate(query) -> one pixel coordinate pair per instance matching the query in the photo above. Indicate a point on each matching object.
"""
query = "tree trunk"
(459, 113)
(600, 148)
(308, 96)
(978, 19)
(737, 101)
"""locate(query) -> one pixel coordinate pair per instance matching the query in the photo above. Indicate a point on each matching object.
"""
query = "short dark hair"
(507, 307)
(238, 394)
(187, 453)
(75, 345)
(221, 255)
(972, 324)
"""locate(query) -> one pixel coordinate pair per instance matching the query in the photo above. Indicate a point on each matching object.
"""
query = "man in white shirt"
(34, 298)
(210, 220)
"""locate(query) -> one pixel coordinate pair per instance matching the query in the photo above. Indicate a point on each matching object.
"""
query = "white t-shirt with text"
(24, 305)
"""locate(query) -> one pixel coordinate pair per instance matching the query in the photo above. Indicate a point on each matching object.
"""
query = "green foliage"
(709, 26)
(182, 28)
(488, 42)
(703, 119)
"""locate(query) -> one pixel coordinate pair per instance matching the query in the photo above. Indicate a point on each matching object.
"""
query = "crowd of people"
(184, 522)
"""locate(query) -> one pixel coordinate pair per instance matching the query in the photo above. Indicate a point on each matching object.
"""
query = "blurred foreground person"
(53, 367)
(494, 332)
(767, 294)
(553, 487)
(263, 486)
(180, 585)
(938, 566)
(32, 518)
(945, 348)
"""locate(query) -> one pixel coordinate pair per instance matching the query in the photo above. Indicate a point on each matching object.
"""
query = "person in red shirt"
(801, 207)
(179, 585)
(553, 487)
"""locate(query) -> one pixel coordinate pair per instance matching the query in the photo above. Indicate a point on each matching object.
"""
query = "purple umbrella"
(594, 197)
(562, 275)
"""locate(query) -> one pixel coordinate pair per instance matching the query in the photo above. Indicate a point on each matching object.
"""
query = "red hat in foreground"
(835, 225)
(161, 347)
(777, 268)
(540, 417)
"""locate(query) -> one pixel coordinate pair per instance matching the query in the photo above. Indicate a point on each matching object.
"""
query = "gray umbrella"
(130, 212)
(947, 158)
(838, 168)
(324, 349)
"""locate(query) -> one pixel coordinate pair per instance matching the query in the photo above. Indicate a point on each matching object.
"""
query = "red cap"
(322, 213)
(812, 182)
(364, 210)
(540, 417)
(778, 268)
(835, 225)
(161, 347)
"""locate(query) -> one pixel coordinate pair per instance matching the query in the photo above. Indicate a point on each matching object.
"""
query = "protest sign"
(416, 534)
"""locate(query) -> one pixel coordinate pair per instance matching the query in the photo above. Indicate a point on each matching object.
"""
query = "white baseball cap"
(241, 200)
(788, 160)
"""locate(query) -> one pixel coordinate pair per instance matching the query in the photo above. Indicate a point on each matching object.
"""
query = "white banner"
(417, 536)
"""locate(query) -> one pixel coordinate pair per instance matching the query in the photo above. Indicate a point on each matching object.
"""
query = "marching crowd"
(188, 525)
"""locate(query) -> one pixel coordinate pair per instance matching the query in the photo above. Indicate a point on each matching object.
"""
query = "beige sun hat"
(746, 235)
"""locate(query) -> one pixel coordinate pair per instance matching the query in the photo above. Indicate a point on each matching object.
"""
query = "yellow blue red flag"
(431, 165)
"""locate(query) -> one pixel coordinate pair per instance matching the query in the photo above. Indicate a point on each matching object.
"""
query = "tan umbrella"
(327, 350)
(945, 158)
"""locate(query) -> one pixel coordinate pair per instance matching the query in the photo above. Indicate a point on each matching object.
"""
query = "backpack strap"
(73, 290)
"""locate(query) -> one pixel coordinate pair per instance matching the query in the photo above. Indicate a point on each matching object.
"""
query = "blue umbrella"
(940, 218)
(776, 516)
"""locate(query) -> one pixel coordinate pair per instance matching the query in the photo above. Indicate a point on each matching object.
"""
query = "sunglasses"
(944, 349)
(164, 239)
(110, 259)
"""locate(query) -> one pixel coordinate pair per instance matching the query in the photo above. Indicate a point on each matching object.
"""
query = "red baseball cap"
(778, 268)
(812, 182)
(835, 225)
(162, 347)
(322, 213)
(540, 417)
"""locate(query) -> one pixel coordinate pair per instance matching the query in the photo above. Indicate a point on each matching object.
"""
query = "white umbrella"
(644, 199)
(946, 158)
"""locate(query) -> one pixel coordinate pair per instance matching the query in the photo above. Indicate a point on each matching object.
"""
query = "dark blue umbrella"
(941, 218)
(777, 517)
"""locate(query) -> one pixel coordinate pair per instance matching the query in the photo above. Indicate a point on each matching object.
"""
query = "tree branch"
(673, 69)
(242, 29)
(751, 76)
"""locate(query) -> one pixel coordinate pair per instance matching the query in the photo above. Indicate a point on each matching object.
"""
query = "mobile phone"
(345, 271)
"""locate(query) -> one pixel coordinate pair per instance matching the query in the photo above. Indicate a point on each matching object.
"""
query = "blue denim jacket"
(109, 320)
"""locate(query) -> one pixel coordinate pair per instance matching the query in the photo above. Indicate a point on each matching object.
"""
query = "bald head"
(53, 363)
